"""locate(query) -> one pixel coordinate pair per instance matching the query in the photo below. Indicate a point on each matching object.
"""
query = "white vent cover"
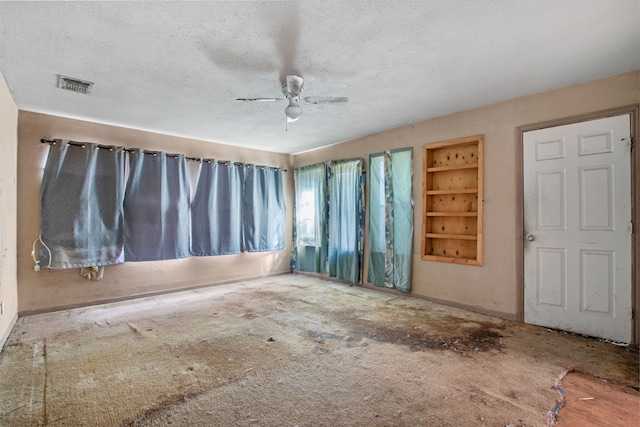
(75, 85)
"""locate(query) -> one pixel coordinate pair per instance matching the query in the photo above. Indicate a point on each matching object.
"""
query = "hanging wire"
(36, 265)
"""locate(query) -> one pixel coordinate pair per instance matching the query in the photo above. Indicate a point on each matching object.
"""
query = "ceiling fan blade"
(259, 99)
(335, 100)
(294, 85)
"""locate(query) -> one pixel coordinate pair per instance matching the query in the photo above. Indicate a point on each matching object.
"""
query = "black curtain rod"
(76, 144)
(130, 150)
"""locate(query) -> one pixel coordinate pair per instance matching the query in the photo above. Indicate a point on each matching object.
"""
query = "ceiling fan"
(292, 90)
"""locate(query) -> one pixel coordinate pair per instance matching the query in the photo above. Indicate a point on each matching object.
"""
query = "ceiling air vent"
(75, 85)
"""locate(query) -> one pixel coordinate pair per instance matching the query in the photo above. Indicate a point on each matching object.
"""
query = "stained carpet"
(290, 350)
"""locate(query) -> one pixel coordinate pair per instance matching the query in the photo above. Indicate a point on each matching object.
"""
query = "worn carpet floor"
(291, 350)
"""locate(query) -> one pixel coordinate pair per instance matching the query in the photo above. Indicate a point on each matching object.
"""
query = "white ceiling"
(176, 67)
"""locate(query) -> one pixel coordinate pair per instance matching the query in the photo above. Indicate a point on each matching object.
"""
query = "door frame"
(634, 111)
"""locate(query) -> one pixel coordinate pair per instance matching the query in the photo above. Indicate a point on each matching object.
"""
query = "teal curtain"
(345, 219)
(391, 219)
(310, 219)
(377, 241)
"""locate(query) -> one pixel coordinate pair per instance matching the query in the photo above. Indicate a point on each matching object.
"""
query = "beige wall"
(492, 287)
(54, 289)
(489, 288)
(8, 217)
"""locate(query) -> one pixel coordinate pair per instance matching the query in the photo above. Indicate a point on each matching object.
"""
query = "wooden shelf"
(452, 260)
(452, 213)
(453, 191)
(452, 236)
(452, 201)
(453, 168)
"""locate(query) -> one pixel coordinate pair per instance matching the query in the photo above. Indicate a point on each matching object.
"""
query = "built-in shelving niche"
(452, 197)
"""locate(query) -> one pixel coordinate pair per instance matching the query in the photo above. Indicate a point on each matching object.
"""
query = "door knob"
(530, 237)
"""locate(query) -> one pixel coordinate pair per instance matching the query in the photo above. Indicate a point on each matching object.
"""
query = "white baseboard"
(5, 337)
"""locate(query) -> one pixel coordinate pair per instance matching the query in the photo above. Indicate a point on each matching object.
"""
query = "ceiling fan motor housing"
(292, 87)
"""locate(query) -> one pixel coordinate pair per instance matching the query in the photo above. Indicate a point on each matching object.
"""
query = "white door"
(577, 222)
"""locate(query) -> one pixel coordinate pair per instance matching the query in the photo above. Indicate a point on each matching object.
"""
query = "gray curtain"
(263, 209)
(81, 205)
(391, 219)
(345, 214)
(310, 251)
(156, 207)
(216, 212)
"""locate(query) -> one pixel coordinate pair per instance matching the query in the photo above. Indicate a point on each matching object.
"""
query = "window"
(329, 219)
(310, 220)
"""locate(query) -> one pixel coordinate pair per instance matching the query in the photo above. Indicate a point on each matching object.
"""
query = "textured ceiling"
(176, 67)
